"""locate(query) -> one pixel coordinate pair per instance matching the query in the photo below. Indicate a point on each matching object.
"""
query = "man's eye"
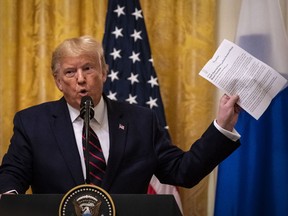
(69, 73)
(87, 68)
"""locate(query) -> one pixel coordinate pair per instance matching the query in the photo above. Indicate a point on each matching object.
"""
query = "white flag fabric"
(261, 32)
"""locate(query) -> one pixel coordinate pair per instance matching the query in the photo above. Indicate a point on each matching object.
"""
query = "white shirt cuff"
(11, 192)
(234, 135)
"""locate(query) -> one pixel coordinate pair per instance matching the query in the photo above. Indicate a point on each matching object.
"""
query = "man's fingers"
(231, 100)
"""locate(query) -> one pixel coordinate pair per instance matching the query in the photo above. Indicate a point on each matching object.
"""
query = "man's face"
(80, 76)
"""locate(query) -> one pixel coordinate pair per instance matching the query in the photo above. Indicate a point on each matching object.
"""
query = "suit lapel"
(118, 130)
(63, 130)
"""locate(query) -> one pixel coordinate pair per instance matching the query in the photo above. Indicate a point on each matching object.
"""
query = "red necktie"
(97, 164)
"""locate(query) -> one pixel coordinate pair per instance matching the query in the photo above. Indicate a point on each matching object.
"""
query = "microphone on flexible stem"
(87, 113)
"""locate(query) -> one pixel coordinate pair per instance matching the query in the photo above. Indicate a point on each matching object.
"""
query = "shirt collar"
(99, 111)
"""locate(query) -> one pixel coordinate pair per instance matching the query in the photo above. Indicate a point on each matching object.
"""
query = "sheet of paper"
(235, 71)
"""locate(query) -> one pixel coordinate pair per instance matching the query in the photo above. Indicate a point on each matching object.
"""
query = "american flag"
(131, 76)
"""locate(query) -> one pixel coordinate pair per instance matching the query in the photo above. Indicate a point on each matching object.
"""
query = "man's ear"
(57, 82)
(105, 72)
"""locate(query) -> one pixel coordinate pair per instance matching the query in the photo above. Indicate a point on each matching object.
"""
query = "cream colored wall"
(228, 12)
(227, 18)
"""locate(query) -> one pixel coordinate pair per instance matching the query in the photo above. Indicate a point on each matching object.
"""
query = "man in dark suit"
(46, 148)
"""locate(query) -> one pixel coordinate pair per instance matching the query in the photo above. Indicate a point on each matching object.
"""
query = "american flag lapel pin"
(122, 127)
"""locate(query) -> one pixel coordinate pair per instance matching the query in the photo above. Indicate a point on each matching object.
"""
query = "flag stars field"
(136, 35)
(118, 32)
(135, 57)
(113, 75)
(112, 95)
(119, 11)
(132, 99)
(152, 102)
(132, 77)
(137, 14)
(116, 53)
(153, 81)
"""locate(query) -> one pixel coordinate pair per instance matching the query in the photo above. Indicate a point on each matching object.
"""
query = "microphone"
(86, 107)
(86, 113)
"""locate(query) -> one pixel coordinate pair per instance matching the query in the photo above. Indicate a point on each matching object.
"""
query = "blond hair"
(78, 46)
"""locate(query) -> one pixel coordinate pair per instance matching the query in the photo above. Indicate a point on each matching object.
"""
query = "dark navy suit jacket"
(43, 152)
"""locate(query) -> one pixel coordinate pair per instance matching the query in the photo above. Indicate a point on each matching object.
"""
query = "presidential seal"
(87, 200)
